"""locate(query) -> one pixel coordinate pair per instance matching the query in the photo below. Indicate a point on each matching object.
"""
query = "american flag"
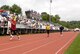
(50, 1)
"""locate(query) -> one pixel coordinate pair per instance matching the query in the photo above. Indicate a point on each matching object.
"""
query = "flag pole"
(50, 11)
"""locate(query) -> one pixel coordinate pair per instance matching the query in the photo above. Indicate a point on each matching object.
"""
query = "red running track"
(37, 43)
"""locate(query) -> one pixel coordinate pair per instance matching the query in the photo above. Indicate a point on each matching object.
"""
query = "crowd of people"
(31, 23)
(10, 22)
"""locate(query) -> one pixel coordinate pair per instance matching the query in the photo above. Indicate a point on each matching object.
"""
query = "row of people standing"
(61, 28)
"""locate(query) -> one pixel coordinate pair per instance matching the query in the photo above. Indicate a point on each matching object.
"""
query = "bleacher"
(27, 25)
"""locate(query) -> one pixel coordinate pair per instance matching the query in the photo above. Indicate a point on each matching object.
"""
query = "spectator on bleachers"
(9, 25)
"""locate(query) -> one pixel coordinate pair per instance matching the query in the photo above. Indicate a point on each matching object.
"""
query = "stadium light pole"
(50, 11)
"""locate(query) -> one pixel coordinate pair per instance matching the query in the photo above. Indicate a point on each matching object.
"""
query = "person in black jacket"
(61, 30)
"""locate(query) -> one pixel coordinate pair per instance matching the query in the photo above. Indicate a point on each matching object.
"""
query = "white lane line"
(15, 42)
(65, 44)
(18, 41)
(38, 47)
(41, 46)
(20, 45)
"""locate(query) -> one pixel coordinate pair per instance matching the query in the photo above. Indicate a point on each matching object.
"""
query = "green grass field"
(74, 47)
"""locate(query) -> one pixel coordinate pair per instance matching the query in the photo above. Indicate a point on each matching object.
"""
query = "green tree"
(15, 9)
(5, 7)
(70, 24)
(45, 16)
(53, 19)
(57, 18)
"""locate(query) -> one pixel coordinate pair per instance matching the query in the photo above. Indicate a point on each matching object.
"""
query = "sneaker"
(10, 38)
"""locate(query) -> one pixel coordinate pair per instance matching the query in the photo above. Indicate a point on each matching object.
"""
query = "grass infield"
(74, 47)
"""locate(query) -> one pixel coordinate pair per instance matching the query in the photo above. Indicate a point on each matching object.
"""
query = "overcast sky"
(68, 10)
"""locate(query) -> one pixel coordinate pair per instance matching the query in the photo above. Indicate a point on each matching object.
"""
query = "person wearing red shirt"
(13, 28)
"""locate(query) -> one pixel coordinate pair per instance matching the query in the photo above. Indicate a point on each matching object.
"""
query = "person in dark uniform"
(61, 30)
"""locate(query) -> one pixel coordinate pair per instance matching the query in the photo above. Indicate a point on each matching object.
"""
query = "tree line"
(70, 24)
(56, 19)
(13, 9)
(46, 17)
